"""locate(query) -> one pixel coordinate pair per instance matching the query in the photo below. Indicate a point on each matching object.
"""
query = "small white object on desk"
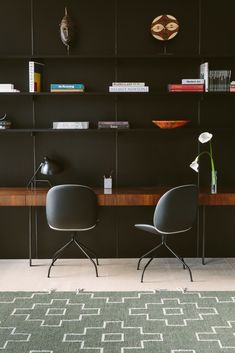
(107, 183)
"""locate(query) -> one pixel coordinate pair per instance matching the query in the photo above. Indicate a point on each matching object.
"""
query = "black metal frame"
(163, 243)
(81, 246)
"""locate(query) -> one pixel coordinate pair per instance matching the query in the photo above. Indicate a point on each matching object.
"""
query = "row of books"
(128, 87)
(85, 124)
(210, 80)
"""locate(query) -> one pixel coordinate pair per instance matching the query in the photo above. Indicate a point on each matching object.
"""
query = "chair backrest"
(176, 210)
(71, 207)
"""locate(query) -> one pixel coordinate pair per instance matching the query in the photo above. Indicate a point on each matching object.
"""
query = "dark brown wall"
(113, 42)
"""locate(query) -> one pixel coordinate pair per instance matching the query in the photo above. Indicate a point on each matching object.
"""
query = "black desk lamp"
(46, 167)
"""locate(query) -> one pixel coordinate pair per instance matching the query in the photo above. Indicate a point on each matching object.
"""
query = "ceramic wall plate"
(164, 27)
(170, 124)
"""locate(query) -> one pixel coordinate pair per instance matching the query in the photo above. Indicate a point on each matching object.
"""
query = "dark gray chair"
(175, 213)
(72, 208)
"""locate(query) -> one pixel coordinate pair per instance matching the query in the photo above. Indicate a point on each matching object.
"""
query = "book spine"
(129, 89)
(142, 84)
(31, 76)
(185, 86)
(192, 81)
(204, 74)
(35, 76)
(67, 86)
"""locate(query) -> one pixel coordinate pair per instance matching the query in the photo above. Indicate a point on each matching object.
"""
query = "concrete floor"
(117, 275)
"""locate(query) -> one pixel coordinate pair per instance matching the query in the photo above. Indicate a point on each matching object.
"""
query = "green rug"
(117, 322)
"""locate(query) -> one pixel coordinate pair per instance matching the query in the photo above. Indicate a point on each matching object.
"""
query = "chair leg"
(142, 276)
(184, 264)
(147, 253)
(92, 252)
(184, 267)
(57, 254)
(84, 252)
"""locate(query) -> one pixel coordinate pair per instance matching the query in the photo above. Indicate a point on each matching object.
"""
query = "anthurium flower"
(204, 138)
(194, 165)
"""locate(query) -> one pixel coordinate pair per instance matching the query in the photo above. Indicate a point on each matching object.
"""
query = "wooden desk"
(139, 196)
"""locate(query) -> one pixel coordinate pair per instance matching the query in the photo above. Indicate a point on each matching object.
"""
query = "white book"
(129, 89)
(6, 86)
(192, 81)
(204, 74)
(128, 84)
(70, 124)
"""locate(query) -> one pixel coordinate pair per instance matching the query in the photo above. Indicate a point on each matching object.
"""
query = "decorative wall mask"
(67, 30)
(164, 27)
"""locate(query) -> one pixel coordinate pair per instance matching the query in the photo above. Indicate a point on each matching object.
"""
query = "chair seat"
(148, 228)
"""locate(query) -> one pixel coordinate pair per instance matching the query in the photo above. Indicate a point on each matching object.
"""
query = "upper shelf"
(121, 56)
(202, 94)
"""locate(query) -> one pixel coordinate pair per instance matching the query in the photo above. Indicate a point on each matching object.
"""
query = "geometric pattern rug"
(117, 322)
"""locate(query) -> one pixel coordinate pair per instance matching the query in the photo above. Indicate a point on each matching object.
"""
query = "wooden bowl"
(170, 124)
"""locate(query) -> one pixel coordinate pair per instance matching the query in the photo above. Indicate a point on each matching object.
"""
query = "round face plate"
(164, 27)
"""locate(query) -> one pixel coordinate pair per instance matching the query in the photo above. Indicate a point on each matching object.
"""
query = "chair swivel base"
(83, 249)
(163, 243)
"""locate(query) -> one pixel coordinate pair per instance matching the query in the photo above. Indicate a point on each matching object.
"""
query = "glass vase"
(213, 182)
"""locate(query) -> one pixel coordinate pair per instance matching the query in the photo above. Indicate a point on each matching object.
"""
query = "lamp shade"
(49, 167)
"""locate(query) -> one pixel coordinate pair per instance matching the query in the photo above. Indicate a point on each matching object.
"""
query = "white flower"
(194, 165)
(205, 137)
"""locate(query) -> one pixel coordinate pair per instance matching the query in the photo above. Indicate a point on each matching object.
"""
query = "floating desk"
(125, 196)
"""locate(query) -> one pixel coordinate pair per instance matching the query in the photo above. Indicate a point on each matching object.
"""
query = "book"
(128, 83)
(71, 125)
(128, 88)
(190, 81)
(204, 74)
(113, 124)
(35, 76)
(66, 86)
(6, 87)
(185, 87)
(67, 90)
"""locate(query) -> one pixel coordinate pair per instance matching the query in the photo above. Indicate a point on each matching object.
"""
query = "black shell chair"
(175, 213)
(72, 208)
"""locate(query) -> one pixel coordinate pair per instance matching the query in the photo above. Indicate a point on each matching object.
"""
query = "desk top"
(125, 196)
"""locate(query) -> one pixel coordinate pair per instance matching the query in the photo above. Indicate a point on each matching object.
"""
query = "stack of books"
(7, 87)
(128, 87)
(67, 87)
(187, 85)
(113, 125)
(35, 76)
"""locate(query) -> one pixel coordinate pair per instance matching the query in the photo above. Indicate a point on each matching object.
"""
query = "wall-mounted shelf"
(104, 51)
